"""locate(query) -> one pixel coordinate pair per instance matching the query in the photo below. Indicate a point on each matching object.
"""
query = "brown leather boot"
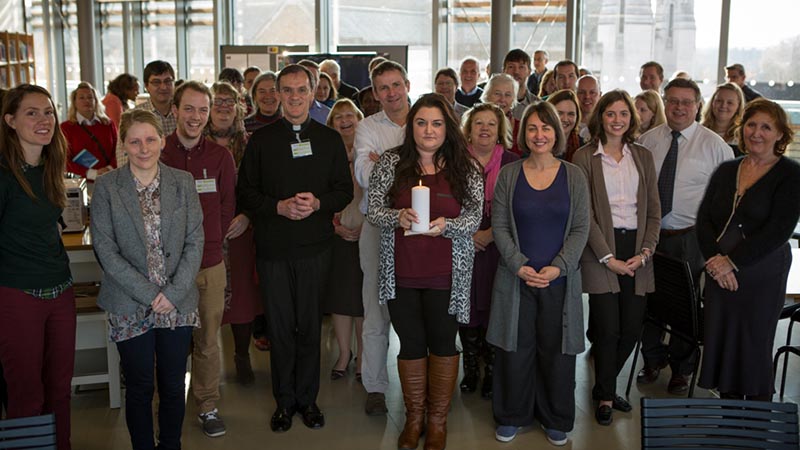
(442, 376)
(414, 380)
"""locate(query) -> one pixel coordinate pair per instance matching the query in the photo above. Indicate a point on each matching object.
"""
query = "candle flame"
(420, 182)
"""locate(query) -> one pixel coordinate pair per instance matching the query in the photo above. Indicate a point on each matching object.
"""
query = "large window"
(620, 35)
(112, 41)
(261, 22)
(11, 17)
(390, 22)
(200, 40)
(540, 25)
(158, 32)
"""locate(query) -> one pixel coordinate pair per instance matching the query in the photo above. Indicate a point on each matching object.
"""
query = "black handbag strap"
(96, 141)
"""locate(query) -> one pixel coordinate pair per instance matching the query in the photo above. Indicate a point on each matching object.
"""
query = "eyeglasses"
(166, 82)
(685, 103)
(224, 102)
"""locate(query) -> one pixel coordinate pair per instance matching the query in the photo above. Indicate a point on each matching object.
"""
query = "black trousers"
(537, 381)
(680, 355)
(421, 321)
(3, 394)
(292, 291)
(616, 320)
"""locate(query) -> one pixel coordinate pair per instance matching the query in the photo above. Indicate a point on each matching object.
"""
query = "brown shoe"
(442, 375)
(376, 404)
(678, 384)
(414, 380)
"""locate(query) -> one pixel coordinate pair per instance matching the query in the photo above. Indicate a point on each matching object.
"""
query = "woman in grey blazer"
(540, 222)
(624, 231)
(150, 260)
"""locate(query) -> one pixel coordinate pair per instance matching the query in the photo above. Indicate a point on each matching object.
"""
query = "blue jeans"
(138, 356)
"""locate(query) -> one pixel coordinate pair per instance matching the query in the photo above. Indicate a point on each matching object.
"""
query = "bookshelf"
(16, 59)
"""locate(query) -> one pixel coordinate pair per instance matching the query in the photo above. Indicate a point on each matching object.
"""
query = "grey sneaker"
(376, 404)
(213, 426)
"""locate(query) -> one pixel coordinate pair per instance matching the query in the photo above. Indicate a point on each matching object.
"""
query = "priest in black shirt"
(294, 176)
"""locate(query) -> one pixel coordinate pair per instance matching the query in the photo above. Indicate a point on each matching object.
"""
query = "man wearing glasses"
(685, 154)
(159, 82)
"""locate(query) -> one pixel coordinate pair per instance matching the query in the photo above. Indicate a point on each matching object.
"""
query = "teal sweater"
(32, 255)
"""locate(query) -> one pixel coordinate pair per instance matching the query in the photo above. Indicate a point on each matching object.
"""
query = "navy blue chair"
(29, 433)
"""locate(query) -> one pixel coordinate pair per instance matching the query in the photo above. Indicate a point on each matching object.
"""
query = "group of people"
(205, 214)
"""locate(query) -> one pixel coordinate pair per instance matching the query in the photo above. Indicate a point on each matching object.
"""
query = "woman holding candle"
(37, 303)
(623, 234)
(489, 137)
(540, 221)
(426, 278)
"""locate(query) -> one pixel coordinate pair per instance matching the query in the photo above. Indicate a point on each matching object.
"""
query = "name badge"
(301, 149)
(206, 185)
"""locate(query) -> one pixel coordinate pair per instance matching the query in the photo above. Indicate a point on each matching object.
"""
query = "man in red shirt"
(215, 179)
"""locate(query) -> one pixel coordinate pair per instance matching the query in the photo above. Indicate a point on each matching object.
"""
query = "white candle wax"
(421, 203)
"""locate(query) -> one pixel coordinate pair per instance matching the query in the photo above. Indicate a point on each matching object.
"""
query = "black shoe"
(648, 375)
(620, 404)
(313, 417)
(603, 415)
(678, 384)
(281, 420)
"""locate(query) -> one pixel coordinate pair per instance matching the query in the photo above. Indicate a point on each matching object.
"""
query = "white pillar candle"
(421, 203)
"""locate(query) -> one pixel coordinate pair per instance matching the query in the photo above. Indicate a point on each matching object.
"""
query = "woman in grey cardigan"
(150, 261)
(624, 231)
(540, 223)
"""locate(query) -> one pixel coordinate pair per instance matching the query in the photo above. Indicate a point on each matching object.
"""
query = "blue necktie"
(666, 178)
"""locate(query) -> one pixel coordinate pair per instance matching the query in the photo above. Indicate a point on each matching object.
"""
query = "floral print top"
(127, 326)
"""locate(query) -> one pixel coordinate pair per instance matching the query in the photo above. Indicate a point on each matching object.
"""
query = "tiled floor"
(247, 410)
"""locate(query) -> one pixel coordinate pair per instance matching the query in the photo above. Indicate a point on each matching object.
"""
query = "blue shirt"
(319, 112)
(541, 219)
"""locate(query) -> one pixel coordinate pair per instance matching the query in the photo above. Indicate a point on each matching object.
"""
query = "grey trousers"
(375, 334)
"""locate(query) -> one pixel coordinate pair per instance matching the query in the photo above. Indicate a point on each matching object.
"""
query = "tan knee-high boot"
(414, 380)
(442, 375)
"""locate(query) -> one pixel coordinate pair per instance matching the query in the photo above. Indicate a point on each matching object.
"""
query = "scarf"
(490, 171)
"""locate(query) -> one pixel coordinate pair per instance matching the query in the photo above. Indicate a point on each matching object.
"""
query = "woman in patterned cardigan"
(427, 277)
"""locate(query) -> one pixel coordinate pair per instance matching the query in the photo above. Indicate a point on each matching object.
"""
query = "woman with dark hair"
(744, 223)
(326, 91)
(91, 136)
(367, 102)
(489, 138)
(345, 301)
(540, 221)
(121, 90)
(623, 234)
(242, 301)
(148, 238)
(446, 83)
(724, 112)
(426, 278)
(37, 311)
(569, 113)
(267, 102)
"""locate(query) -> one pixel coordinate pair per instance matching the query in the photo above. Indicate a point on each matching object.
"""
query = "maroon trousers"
(37, 350)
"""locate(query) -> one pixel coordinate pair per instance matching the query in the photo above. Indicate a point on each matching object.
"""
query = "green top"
(32, 255)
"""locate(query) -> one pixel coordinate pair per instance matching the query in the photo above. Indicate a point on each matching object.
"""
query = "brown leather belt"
(669, 233)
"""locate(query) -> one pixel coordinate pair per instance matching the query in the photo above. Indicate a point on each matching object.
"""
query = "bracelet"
(644, 260)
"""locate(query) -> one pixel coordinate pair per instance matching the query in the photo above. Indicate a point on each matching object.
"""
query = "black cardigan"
(768, 211)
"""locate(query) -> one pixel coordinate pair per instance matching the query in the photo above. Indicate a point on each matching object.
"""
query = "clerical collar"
(297, 128)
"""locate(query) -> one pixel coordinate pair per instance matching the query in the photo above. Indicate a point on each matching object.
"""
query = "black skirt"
(740, 327)
(343, 295)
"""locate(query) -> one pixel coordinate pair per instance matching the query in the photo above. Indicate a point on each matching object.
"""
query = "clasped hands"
(407, 216)
(302, 205)
(719, 267)
(161, 305)
(628, 267)
(540, 279)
